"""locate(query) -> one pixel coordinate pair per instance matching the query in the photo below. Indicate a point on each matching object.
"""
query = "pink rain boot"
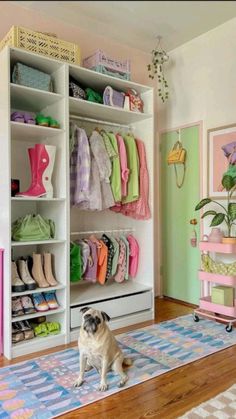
(42, 159)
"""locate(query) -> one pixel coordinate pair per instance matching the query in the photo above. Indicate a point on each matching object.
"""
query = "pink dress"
(133, 256)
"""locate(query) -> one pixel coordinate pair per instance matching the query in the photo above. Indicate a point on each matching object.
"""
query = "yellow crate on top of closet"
(42, 44)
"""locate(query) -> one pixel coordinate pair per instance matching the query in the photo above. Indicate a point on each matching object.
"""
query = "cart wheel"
(229, 328)
(195, 318)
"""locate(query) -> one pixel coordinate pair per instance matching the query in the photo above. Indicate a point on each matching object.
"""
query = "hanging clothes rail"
(121, 230)
(99, 121)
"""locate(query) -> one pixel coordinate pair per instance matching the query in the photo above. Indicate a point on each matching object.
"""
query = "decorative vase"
(229, 240)
(216, 235)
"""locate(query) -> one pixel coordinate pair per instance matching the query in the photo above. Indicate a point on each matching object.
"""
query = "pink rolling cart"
(225, 314)
(1, 301)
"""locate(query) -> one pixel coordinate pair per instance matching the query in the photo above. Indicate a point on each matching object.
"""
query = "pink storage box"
(99, 58)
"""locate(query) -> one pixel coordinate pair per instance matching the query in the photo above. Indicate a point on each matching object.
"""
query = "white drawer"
(115, 307)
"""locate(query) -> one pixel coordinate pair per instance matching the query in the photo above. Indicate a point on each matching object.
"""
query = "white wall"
(202, 80)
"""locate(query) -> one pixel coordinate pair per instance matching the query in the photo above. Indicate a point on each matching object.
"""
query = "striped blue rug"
(42, 388)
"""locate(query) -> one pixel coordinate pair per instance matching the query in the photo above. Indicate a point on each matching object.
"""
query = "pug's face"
(93, 320)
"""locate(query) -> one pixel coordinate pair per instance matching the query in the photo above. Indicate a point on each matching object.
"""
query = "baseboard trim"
(175, 300)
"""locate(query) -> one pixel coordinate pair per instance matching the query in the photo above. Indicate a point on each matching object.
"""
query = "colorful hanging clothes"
(121, 267)
(102, 263)
(91, 269)
(110, 247)
(85, 252)
(123, 238)
(123, 165)
(80, 163)
(116, 173)
(116, 254)
(99, 152)
(133, 255)
(75, 263)
(138, 209)
(133, 164)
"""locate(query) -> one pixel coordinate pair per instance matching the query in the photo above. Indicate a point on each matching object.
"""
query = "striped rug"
(42, 388)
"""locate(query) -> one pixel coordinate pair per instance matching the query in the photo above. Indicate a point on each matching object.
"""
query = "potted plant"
(227, 214)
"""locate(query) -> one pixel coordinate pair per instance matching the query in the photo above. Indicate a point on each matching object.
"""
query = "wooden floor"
(171, 394)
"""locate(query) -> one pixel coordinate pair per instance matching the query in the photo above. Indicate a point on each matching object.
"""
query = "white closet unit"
(126, 303)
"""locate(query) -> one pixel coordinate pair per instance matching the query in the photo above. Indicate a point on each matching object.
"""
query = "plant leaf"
(217, 219)
(202, 203)
(232, 210)
(228, 182)
(211, 212)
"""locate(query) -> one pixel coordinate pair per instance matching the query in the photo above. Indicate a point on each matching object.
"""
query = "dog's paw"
(103, 387)
(123, 381)
(78, 382)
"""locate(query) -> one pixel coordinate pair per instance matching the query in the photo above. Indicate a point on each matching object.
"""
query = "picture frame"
(217, 161)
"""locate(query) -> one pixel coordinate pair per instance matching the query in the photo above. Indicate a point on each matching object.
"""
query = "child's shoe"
(27, 304)
(39, 302)
(51, 299)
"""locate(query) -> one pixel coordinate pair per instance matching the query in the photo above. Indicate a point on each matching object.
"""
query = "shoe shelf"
(42, 199)
(38, 290)
(36, 242)
(27, 132)
(38, 314)
(34, 99)
(42, 342)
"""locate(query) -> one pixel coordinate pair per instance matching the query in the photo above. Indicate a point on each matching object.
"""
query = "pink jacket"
(133, 255)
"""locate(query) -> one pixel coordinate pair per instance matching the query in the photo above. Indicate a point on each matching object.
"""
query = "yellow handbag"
(177, 155)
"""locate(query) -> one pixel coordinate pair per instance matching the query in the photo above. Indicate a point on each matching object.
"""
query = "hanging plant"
(159, 58)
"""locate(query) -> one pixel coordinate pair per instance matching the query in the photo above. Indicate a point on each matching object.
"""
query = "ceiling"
(138, 23)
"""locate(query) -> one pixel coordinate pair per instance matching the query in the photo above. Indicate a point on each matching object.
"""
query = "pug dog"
(99, 349)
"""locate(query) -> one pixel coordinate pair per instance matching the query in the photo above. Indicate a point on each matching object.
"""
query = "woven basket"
(42, 44)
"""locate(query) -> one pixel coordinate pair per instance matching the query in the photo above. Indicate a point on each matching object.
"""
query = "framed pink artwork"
(218, 161)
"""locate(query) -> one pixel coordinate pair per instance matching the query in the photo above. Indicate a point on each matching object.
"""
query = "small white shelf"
(20, 199)
(98, 81)
(35, 242)
(98, 111)
(87, 292)
(38, 290)
(24, 343)
(38, 314)
(27, 132)
(32, 100)
(37, 344)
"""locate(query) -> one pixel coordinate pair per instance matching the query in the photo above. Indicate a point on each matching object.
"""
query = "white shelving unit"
(133, 300)
(127, 303)
(15, 139)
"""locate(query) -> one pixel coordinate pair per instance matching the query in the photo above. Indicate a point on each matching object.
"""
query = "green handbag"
(93, 96)
(75, 263)
(33, 227)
